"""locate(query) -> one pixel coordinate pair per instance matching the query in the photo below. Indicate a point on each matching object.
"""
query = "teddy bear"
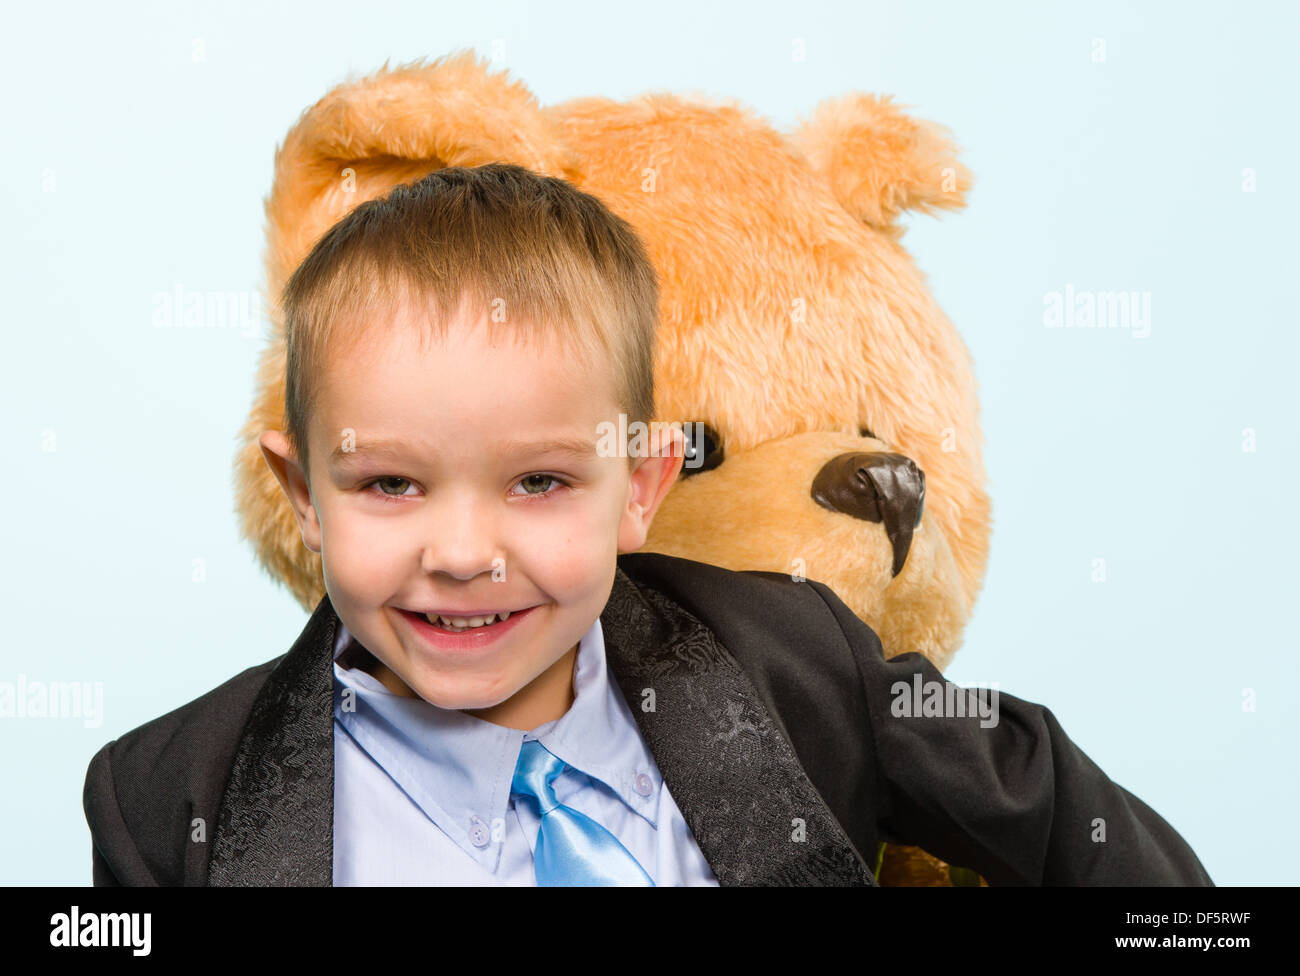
(830, 405)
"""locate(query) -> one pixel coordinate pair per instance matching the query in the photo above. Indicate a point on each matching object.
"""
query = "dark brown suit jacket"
(771, 724)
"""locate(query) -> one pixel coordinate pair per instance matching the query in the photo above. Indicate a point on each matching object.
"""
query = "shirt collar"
(458, 768)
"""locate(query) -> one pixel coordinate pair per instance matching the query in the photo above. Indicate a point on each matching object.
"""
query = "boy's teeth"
(466, 623)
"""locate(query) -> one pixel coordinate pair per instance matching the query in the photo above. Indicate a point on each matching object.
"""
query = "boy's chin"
(454, 699)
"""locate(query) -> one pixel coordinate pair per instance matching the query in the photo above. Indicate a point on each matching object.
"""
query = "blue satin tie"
(572, 849)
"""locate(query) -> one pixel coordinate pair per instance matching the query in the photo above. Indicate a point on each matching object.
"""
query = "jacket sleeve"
(1003, 790)
(115, 859)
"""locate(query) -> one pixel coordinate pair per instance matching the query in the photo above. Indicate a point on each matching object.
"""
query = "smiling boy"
(467, 522)
(497, 688)
(485, 497)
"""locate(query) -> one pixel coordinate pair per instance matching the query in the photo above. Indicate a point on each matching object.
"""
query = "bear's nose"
(882, 487)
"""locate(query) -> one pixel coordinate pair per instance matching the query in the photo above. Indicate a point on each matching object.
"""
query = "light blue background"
(130, 168)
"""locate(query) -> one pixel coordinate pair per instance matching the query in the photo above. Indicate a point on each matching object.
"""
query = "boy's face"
(431, 490)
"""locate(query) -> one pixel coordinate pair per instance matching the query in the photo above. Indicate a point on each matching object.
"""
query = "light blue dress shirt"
(422, 794)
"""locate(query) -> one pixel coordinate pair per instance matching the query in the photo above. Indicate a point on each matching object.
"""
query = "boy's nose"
(460, 563)
(461, 545)
(875, 487)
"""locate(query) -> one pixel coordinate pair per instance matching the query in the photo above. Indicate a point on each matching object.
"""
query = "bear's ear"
(396, 126)
(879, 161)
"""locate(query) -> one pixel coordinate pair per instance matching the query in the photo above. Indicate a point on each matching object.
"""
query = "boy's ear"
(651, 478)
(283, 461)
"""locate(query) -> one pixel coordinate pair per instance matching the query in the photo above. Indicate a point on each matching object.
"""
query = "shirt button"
(478, 834)
(642, 784)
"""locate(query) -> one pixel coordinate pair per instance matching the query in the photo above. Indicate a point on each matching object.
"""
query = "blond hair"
(521, 247)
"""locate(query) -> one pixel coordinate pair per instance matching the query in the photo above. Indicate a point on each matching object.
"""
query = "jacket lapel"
(276, 822)
(756, 816)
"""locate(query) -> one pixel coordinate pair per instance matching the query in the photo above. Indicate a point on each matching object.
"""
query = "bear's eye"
(703, 449)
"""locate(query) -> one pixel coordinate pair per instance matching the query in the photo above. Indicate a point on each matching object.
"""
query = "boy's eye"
(389, 481)
(538, 481)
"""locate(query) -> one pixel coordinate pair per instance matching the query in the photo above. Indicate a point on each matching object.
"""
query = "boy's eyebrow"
(575, 447)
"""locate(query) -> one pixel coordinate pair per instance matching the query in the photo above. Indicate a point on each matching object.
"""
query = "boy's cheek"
(357, 575)
(356, 540)
(568, 564)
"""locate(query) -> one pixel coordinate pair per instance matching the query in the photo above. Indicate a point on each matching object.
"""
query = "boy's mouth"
(461, 623)
(443, 639)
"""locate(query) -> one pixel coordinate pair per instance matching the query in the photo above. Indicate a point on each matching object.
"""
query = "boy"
(489, 693)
